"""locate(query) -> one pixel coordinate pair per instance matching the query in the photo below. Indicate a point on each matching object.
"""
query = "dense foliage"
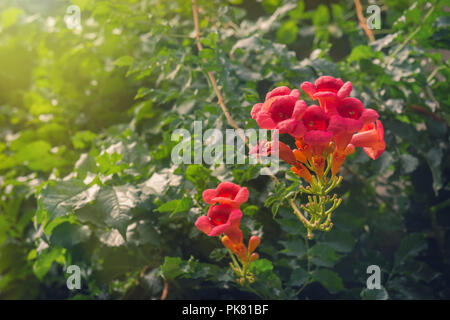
(86, 123)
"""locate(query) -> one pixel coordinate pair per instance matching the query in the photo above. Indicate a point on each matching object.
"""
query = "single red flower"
(319, 129)
(221, 218)
(281, 111)
(371, 139)
(350, 116)
(226, 193)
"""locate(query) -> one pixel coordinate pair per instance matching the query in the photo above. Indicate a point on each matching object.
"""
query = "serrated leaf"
(294, 248)
(176, 206)
(329, 279)
(298, 277)
(323, 255)
(64, 197)
(116, 204)
(410, 247)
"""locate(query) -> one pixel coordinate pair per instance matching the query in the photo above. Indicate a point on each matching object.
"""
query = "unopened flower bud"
(329, 148)
(254, 256)
(253, 243)
(226, 241)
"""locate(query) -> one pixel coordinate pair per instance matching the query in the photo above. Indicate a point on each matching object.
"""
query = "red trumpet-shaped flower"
(320, 128)
(328, 91)
(371, 139)
(351, 116)
(226, 193)
(221, 218)
(281, 111)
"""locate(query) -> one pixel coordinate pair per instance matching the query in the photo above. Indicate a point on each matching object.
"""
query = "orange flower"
(238, 248)
(253, 243)
(301, 171)
(339, 158)
(371, 139)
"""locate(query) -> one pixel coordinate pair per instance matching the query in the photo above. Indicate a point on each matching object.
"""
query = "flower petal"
(299, 109)
(242, 196)
(369, 115)
(255, 110)
(265, 121)
(208, 195)
(326, 95)
(309, 88)
(299, 131)
(337, 124)
(295, 93)
(327, 83)
(345, 90)
(204, 224)
(318, 138)
(280, 91)
(227, 188)
(287, 126)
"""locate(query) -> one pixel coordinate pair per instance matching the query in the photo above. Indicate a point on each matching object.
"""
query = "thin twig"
(362, 21)
(427, 112)
(223, 106)
(165, 290)
(210, 74)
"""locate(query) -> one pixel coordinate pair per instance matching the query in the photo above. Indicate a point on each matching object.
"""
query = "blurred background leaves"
(86, 117)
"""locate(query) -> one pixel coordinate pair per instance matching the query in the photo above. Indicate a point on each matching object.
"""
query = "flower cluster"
(325, 135)
(223, 219)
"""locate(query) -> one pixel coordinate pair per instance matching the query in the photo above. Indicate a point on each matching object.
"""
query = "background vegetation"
(86, 118)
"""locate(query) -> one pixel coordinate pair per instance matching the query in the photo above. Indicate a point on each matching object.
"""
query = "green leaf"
(374, 294)
(171, 267)
(124, 61)
(176, 206)
(46, 259)
(218, 254)
(261, 266)
(67, 235)
(288, 32)
(298, 277)
(64, 197)
(410, 247)
(321, 16)
(339, 240)
(294, 248)
(116, 204)
(37, 156)
(329, 279)
(199, 176)
(362, 52)
(323, 255)
(10, 16)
